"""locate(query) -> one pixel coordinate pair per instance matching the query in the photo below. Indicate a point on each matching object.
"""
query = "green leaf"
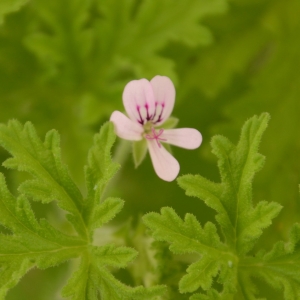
(169, 269)
(52, 180)
(158, 23)
(31, 244)
(280, 267)
(99, 170)
(70, 41)
(90, 280)
(100, 167)
(211, 295)
(241, 223)
(261, 87)
(170, 123)
(187, 236)
(139, 151)
(240, 34)
(200, 274)
(9, 6)
(35, 243)
(210, 192)
(115, 290)
(111, 256)
(80, 285)
(105, 211)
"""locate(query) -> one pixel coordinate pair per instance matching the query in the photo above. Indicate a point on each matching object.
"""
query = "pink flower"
(149, 105)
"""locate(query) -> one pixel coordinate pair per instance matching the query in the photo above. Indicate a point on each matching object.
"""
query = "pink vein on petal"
(164, 94)
(138, 100)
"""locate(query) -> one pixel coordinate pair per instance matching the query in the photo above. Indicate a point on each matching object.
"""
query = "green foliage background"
(64, 64)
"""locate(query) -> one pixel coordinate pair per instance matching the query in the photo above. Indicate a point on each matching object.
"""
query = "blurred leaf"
(158, 22)
(8, 6)
(274, 86)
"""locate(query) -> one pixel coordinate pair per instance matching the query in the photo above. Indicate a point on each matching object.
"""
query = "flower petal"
(165, 165)
(164, 93)
(188, 138)
(138, 100)
(125, 128)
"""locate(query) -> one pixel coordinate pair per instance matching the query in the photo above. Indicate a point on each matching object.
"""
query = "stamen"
(141, 121)
(148, 116)
(155, 136)
(159, 119)
(154, 111)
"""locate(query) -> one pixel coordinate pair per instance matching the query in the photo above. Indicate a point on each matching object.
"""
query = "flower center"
(155, 136)
(144, 115)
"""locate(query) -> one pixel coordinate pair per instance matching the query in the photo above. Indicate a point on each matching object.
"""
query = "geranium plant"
(222, 256)
(107, 190)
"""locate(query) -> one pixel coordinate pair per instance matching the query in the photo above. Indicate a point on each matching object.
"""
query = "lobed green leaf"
(105, 211)
(280, 267)
(110, 255)
(99, 170)
(9, 6)
(187, 236)
(240, 222)
(52, 180)
(35, 243)
(31, 243)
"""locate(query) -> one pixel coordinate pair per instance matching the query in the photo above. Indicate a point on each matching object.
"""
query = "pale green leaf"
(99, 170)
(80, 285)
(199, 274)
(184, 235)
(241, 223)
(70, 42)
(211, 295)
(35, 243)
(105, 211)
(139, 151)
(159, 22)
(110, 255)
(254, 221)
(92, 278)
(111, 288)
(187, 236)
(43, 161)
(269, 82)
(279, 267)
(169, 123)
(9, 6)
(31, 244)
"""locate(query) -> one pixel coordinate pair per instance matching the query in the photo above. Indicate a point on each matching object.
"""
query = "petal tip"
(165, 165)
(125, 128)
(198, 139)
(171, 177)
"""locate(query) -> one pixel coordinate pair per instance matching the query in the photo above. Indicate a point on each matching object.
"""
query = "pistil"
(155, 136)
